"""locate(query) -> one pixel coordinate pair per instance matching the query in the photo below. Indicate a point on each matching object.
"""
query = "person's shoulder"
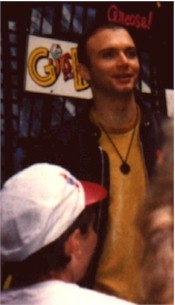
(148, 111)
(144, 102)
(85, 296)
(51, 292)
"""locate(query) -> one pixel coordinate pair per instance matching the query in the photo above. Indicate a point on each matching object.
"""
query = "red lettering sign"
(136, 20)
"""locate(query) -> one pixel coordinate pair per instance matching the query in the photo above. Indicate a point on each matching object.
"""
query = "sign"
(51, 68)
(114, 14)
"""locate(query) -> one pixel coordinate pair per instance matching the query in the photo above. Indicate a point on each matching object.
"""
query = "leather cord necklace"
(125, 167)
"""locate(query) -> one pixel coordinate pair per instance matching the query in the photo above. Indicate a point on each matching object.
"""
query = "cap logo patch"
(70, 180)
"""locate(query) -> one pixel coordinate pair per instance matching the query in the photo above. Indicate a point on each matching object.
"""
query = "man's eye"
(131, 53)
(109, 54)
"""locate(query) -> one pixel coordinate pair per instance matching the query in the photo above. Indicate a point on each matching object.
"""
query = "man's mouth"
(124, 78)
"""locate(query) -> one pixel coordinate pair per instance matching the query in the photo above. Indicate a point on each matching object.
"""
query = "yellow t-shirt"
(118, 272)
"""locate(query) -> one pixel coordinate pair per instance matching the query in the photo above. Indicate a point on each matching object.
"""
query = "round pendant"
(125, 168)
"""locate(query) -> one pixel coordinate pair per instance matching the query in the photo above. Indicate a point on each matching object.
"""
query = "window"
(42, 20)
(91, 18)
(13, 65)
(13, 51)
(78, 20)
(47, 24)
(12, 25)
(35, 20)
(66, 17)
(12, 38)
(15, 109)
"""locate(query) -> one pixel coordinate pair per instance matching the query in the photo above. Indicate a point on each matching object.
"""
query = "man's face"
(114, 65)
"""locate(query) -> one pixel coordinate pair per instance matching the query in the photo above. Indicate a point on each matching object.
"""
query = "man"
(48, 237)
(112, 142)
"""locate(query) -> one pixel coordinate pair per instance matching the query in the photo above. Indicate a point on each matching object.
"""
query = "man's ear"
(73, 244)
(84, 72)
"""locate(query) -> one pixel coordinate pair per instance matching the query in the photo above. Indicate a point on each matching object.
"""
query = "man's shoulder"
(144, 102)
(149, 112)
(51, 292)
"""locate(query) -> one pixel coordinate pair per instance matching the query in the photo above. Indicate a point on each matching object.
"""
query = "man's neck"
(116, 114)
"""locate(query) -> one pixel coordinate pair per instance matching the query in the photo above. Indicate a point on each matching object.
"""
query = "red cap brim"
(93, 192)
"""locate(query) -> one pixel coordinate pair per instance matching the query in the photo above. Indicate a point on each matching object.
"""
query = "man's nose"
(122, 59)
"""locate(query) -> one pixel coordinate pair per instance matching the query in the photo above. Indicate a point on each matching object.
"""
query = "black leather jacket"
(74, 145)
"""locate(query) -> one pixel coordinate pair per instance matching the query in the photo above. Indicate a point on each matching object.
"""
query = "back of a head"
(38, 204)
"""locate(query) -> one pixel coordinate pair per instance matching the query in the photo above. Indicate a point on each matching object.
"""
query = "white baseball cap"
(38, 204)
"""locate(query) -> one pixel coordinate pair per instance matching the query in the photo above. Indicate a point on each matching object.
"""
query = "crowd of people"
(50, 238)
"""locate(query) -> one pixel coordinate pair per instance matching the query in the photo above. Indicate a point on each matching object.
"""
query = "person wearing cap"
(48, 237)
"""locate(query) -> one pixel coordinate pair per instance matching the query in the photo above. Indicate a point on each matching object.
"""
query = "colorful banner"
(51, 68)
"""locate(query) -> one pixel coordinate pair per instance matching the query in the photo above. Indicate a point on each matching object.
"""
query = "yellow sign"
(52, 68)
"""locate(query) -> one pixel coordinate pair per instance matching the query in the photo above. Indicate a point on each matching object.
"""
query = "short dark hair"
(82, 44)
(50, 257)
